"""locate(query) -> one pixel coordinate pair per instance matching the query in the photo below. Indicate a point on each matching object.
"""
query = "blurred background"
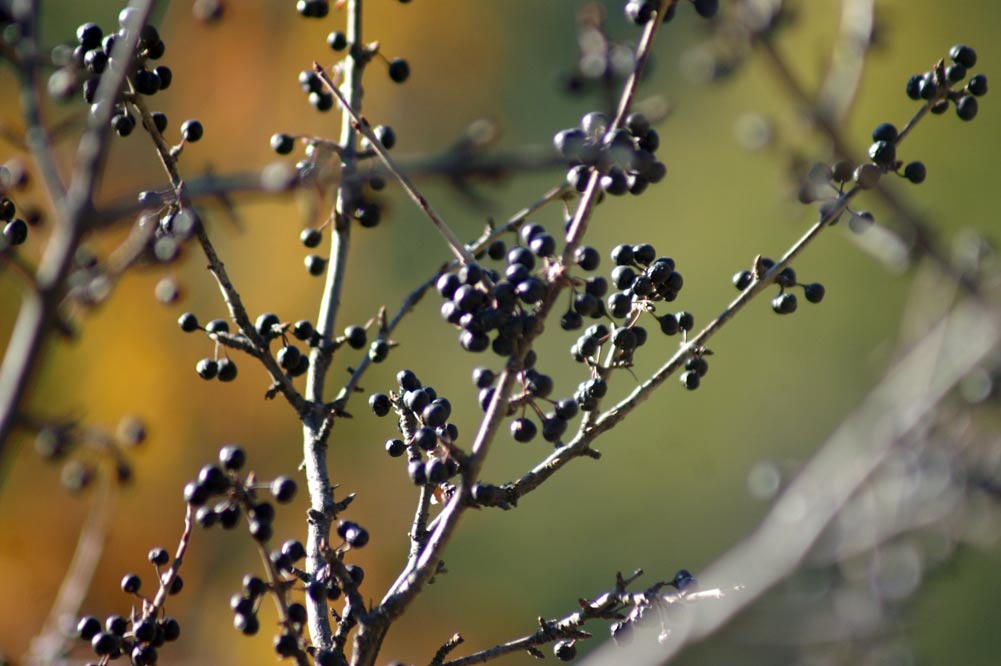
(679, 483)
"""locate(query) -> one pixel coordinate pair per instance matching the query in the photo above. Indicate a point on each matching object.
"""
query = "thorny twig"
(611, 605)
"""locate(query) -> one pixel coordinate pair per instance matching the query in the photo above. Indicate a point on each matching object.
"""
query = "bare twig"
(230, 295)
(457, 247)
(607, 606)
(167, 580)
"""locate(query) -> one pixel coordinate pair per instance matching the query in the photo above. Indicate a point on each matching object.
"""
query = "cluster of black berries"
(118, 636)
(934, 86)
(642, 279)
(536, 388)
(223, 480)
(423, 422)
(246, 603)
(480, 301)
(89, 59)
(785, 302)
(140, 636)
(223, 369)
(625, 157)
(938, 82)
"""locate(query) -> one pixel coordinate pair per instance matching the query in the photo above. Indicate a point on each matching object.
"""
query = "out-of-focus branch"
(457, 165)
(844, 73)
(74, 212)
(52, 642)
(864, 440)
(36, 136)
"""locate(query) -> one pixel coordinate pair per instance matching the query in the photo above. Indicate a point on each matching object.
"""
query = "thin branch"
(456, 166)
(167, 580)
(230, 295)
(315, 426)
(36, 136)
(276, 586)
(607, 606)
(457, 247)
(419, 528)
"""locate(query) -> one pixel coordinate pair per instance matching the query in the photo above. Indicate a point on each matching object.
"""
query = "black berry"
(192, 130)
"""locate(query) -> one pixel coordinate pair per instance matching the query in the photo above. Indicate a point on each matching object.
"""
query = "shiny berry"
(192, 130)
(283, 144)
